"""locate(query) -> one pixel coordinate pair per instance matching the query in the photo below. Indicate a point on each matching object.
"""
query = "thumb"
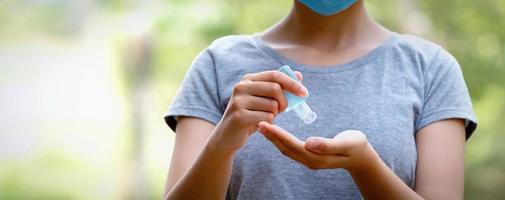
(326, 146)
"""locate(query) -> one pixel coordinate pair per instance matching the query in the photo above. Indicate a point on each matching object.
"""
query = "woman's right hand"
(257, 97)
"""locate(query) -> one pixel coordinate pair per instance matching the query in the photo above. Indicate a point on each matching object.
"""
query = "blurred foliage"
(473, 31)
(474, 35)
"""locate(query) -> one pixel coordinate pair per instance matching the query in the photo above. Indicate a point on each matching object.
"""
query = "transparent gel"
(297, 103)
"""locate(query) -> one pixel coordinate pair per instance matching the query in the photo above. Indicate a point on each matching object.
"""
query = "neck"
(305, 27)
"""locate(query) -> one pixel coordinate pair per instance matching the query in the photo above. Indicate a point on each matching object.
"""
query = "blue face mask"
(328, 7)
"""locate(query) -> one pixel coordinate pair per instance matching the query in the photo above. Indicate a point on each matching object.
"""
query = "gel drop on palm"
(298, 103)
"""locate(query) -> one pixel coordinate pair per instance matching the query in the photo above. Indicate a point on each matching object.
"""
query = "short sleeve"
(198, 95)
(445, 94)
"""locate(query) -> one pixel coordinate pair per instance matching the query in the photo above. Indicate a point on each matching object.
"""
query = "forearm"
(208, 177)
(378, 181)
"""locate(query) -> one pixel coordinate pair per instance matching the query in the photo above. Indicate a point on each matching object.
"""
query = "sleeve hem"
(197, 112)
(470, 120)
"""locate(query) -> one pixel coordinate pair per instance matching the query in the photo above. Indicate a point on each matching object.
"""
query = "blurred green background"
(84, 85)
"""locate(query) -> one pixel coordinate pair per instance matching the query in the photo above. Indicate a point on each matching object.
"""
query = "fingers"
(282, 135)
(327, 146)
(258, 116)
(278, 134)
(299, 75)
(283, 80)
(269, 84)
(262, 104)
(270, 90)
(292, 147)
(341, 144)
(283, 148)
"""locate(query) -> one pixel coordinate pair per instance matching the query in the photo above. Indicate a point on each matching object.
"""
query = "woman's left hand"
(348, 149)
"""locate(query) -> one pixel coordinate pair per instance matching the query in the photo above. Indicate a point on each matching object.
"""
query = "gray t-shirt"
(389, 94)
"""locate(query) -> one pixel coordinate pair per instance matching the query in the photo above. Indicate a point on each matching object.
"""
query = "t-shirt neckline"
(357, 62)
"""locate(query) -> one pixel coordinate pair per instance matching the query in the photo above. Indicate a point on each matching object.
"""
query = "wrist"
(216, 146)
(222, 140)
(367, 161)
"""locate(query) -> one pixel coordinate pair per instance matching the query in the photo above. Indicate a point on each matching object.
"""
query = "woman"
(393, 113)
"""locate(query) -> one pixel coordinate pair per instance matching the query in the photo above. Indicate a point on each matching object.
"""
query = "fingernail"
(303, 90)
(312, 144)
(261, 129)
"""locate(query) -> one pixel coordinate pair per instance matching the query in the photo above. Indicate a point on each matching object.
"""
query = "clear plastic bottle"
(298, 103)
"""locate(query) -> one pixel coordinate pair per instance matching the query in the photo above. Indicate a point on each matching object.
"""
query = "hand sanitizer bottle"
(298, 103)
